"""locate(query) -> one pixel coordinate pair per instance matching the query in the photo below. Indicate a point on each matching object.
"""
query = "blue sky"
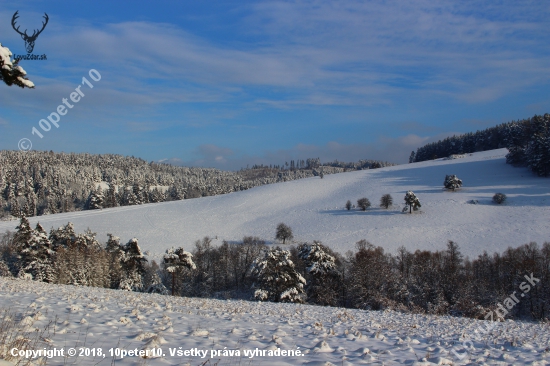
(226, 84)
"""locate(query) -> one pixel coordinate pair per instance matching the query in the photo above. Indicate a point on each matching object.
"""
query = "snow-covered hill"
(92, 319)
(314, 209)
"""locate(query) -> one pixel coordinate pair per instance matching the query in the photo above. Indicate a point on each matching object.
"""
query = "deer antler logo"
(29, 40)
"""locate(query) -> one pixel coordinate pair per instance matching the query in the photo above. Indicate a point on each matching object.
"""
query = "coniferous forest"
(528, 142)
(36, 183)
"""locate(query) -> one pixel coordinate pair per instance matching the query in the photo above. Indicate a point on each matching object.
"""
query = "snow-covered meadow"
(314, 209)
(86, 318)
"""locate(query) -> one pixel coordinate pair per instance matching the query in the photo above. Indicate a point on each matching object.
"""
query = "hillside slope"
(314, 209)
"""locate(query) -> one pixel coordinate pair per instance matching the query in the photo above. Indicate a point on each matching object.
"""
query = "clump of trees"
(499, 198)
(527, 141)
(65, 257)
(452, 182)
(440, 282)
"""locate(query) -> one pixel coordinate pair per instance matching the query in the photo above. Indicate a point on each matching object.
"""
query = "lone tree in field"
(363, 203)
(412, 201)
(10, 72)
(283, 233)
(499, 198)
(348, 205)
(452, 182)
(175, 261)
(386, 201)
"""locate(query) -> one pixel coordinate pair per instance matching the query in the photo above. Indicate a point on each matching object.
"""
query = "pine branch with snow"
(10, 71)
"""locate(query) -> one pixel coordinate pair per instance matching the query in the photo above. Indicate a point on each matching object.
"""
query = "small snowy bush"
(363, 203)
(499, 198)
(452, 182)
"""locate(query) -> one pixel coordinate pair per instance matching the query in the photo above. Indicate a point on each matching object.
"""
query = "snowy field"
(314, 209)
(114, 321)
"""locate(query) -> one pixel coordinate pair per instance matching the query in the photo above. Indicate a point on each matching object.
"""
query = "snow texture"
(103, 318)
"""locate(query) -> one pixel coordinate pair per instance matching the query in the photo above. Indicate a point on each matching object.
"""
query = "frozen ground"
(314, 209)
(80, 318)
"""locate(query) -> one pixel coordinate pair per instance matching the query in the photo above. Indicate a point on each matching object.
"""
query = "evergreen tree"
(348, 205)
(22, 239)
(177, 260)
(411, 158)
(63, 236)
(538, 148)
(322, 271)
(452, 182)
(277, 279)
(40, 256)
(133, 266)
(129, 198)
(111, 199)
(116, 253)
(95, 200)
(412, 201)
(10, 72)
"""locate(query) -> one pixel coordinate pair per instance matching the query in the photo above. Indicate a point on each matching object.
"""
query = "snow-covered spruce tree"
(10, 72)
(348, 205)
(283, 232)
(386, 201)
(176, 261)
(412, 202)
(21, 240)
(115, 255)
(95, 200)
(322, 272)
(452, 182)
(40, 256)
(111, 197)
(276, 278)
(63, 236)
(133, 266)
(363, 203)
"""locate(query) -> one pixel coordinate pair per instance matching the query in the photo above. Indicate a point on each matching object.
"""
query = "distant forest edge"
(528, 142)
(38, 183)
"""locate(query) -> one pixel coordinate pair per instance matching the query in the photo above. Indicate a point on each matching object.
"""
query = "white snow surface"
(314, 209)
(82, 318)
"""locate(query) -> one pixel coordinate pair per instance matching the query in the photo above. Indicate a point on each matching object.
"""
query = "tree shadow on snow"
(356, 212)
